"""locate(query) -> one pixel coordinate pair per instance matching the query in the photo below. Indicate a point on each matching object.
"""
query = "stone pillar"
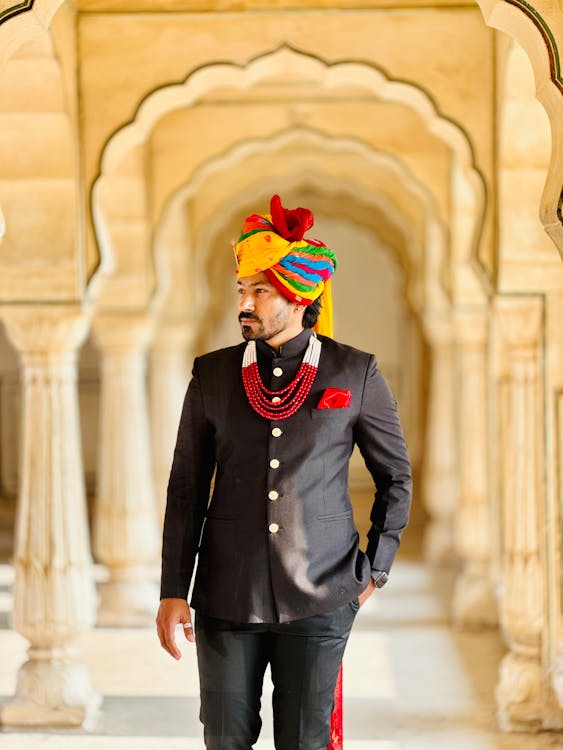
(439, 470)
(474, 601)
(519, 693)
(54, 594)
(169, 377)
(125, 525)
(557, 660)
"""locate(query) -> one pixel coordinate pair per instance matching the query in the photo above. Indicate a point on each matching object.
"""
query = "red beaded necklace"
(274, 405)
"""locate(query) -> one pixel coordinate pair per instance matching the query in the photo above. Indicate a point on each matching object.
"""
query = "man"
(280, 576)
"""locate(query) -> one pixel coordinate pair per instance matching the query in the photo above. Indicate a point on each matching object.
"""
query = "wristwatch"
(380, 578)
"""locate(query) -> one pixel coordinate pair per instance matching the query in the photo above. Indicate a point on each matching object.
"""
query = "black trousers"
(304, 657)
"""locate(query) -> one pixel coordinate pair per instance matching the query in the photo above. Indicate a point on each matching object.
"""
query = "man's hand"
(170, 613)
(367, 592)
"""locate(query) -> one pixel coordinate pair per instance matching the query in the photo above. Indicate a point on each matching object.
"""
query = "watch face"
(381, 580)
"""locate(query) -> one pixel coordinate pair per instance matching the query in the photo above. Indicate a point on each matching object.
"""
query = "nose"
(246, 302)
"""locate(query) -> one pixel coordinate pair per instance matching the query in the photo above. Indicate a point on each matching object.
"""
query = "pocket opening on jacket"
(336, 516)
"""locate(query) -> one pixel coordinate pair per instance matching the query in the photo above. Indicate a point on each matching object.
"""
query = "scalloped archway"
(418, 206)
(295, 65)
(521, 21)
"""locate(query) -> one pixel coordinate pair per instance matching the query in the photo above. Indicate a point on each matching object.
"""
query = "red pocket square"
(335, 398)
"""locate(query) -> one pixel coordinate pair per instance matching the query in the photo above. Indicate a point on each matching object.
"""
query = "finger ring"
(187, 625)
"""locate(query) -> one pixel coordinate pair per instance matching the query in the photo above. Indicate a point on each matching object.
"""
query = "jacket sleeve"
(380, 439)
(188, 493)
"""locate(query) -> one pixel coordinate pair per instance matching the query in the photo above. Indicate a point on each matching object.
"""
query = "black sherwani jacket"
(296, 555)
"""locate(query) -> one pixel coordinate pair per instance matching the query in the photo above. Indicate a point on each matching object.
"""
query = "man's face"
(263, 311)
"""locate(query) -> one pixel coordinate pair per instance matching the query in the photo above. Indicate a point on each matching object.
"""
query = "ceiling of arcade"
(448, 54)
(336, 166)
(226, 112)
(391, 204)
(186, 139)
(392, 225)
(402, 209)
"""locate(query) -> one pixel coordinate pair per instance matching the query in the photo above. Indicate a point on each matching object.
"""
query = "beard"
(263, 331)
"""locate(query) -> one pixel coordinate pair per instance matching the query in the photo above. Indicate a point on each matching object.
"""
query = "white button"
(273, 528)
(274, 463)
(276, 400)
(276, 432)
(273, 495)
(278, 371)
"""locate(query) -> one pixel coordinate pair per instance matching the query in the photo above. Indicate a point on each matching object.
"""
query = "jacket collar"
(292, 348)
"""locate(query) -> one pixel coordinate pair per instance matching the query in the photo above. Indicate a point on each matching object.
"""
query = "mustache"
(248, 316)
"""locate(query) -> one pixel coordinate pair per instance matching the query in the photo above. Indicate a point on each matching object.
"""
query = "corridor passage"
(410, 681)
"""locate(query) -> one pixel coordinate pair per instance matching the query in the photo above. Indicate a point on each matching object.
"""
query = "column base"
(128, 599)
(52, 693)
(519, 694)
(474, 602)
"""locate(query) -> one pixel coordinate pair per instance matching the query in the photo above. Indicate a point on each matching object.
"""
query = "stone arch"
(398, 238)
(296, 65)
(417, 195)
(38, 188)
(529, 28)
(527, 259)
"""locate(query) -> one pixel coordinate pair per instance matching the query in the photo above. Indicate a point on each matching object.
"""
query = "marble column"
(125, 523)
(54, 594)
(440, 467)
(520, 693)
(557, 588)
(474, 601)
(169, 377)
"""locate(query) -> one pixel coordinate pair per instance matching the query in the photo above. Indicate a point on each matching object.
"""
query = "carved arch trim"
(433, 238)
(300, 65)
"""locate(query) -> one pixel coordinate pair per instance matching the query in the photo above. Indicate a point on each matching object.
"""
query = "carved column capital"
(172, 336)
(46, 329)
(126, 334)
(472, 326)
(438, 328)
(520, 321)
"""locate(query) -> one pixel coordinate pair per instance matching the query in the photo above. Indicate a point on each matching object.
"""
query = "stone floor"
(410, 681)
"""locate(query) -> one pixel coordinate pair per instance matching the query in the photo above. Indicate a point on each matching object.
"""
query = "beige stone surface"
(94, 40)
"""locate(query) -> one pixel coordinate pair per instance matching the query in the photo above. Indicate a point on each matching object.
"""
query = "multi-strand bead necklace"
(274, 405)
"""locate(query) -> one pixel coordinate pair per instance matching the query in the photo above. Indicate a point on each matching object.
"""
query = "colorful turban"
(299, 268)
